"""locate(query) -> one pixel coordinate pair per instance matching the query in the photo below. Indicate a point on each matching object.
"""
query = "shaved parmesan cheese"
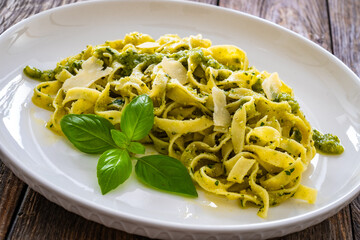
(148, 45)
(221, 115)
(175, 70)
(90, 72)
(272, 86)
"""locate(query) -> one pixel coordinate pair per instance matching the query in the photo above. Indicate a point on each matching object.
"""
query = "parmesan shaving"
(175, 70)
(272, 86)
(148, 45)
(90, 72)
(221, 115)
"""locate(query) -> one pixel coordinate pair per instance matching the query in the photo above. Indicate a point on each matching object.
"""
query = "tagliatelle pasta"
(239, 131)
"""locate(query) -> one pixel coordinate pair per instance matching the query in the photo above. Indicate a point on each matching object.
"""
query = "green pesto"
(292, 102)
(327, 143)
(295, 134)
(180, 55)
(253, 139)
(37, 74)
(197, 56)
(257, 87)
(72, 65)
(130, 59)
(288, 172)
(117, 103)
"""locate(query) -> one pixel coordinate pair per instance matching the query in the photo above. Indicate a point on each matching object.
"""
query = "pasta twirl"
(239, 131)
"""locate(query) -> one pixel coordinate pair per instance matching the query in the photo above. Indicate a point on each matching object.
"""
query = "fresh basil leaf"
(88, 132)
(113, 168)
(165, 173)
(120, 138)
(136, 147)
(137, 117)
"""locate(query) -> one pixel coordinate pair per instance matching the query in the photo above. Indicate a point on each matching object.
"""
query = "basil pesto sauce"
(72, 65)
(295, 107)
(128, 59)
(327, 143)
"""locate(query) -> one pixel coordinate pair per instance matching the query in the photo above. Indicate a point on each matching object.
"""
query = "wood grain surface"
(332, 24)
(344, 18)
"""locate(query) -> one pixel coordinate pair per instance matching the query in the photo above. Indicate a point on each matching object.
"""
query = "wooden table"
(333, 24)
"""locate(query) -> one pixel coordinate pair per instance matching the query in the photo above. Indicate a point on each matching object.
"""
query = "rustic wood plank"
(12, 11)
(213, 2)
(309, 19)
(10, 191)
(39, 218)
(338, 227)
(253, 7)
(345, 22)
(355, 213)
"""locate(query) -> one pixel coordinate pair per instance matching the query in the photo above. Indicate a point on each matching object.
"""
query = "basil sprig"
(94, 134)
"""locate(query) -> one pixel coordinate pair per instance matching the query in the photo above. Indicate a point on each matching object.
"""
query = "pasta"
(239, 131)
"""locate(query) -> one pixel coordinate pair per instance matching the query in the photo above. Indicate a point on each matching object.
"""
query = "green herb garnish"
(94, 134)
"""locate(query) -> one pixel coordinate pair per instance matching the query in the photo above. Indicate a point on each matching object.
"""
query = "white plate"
(327, 90)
